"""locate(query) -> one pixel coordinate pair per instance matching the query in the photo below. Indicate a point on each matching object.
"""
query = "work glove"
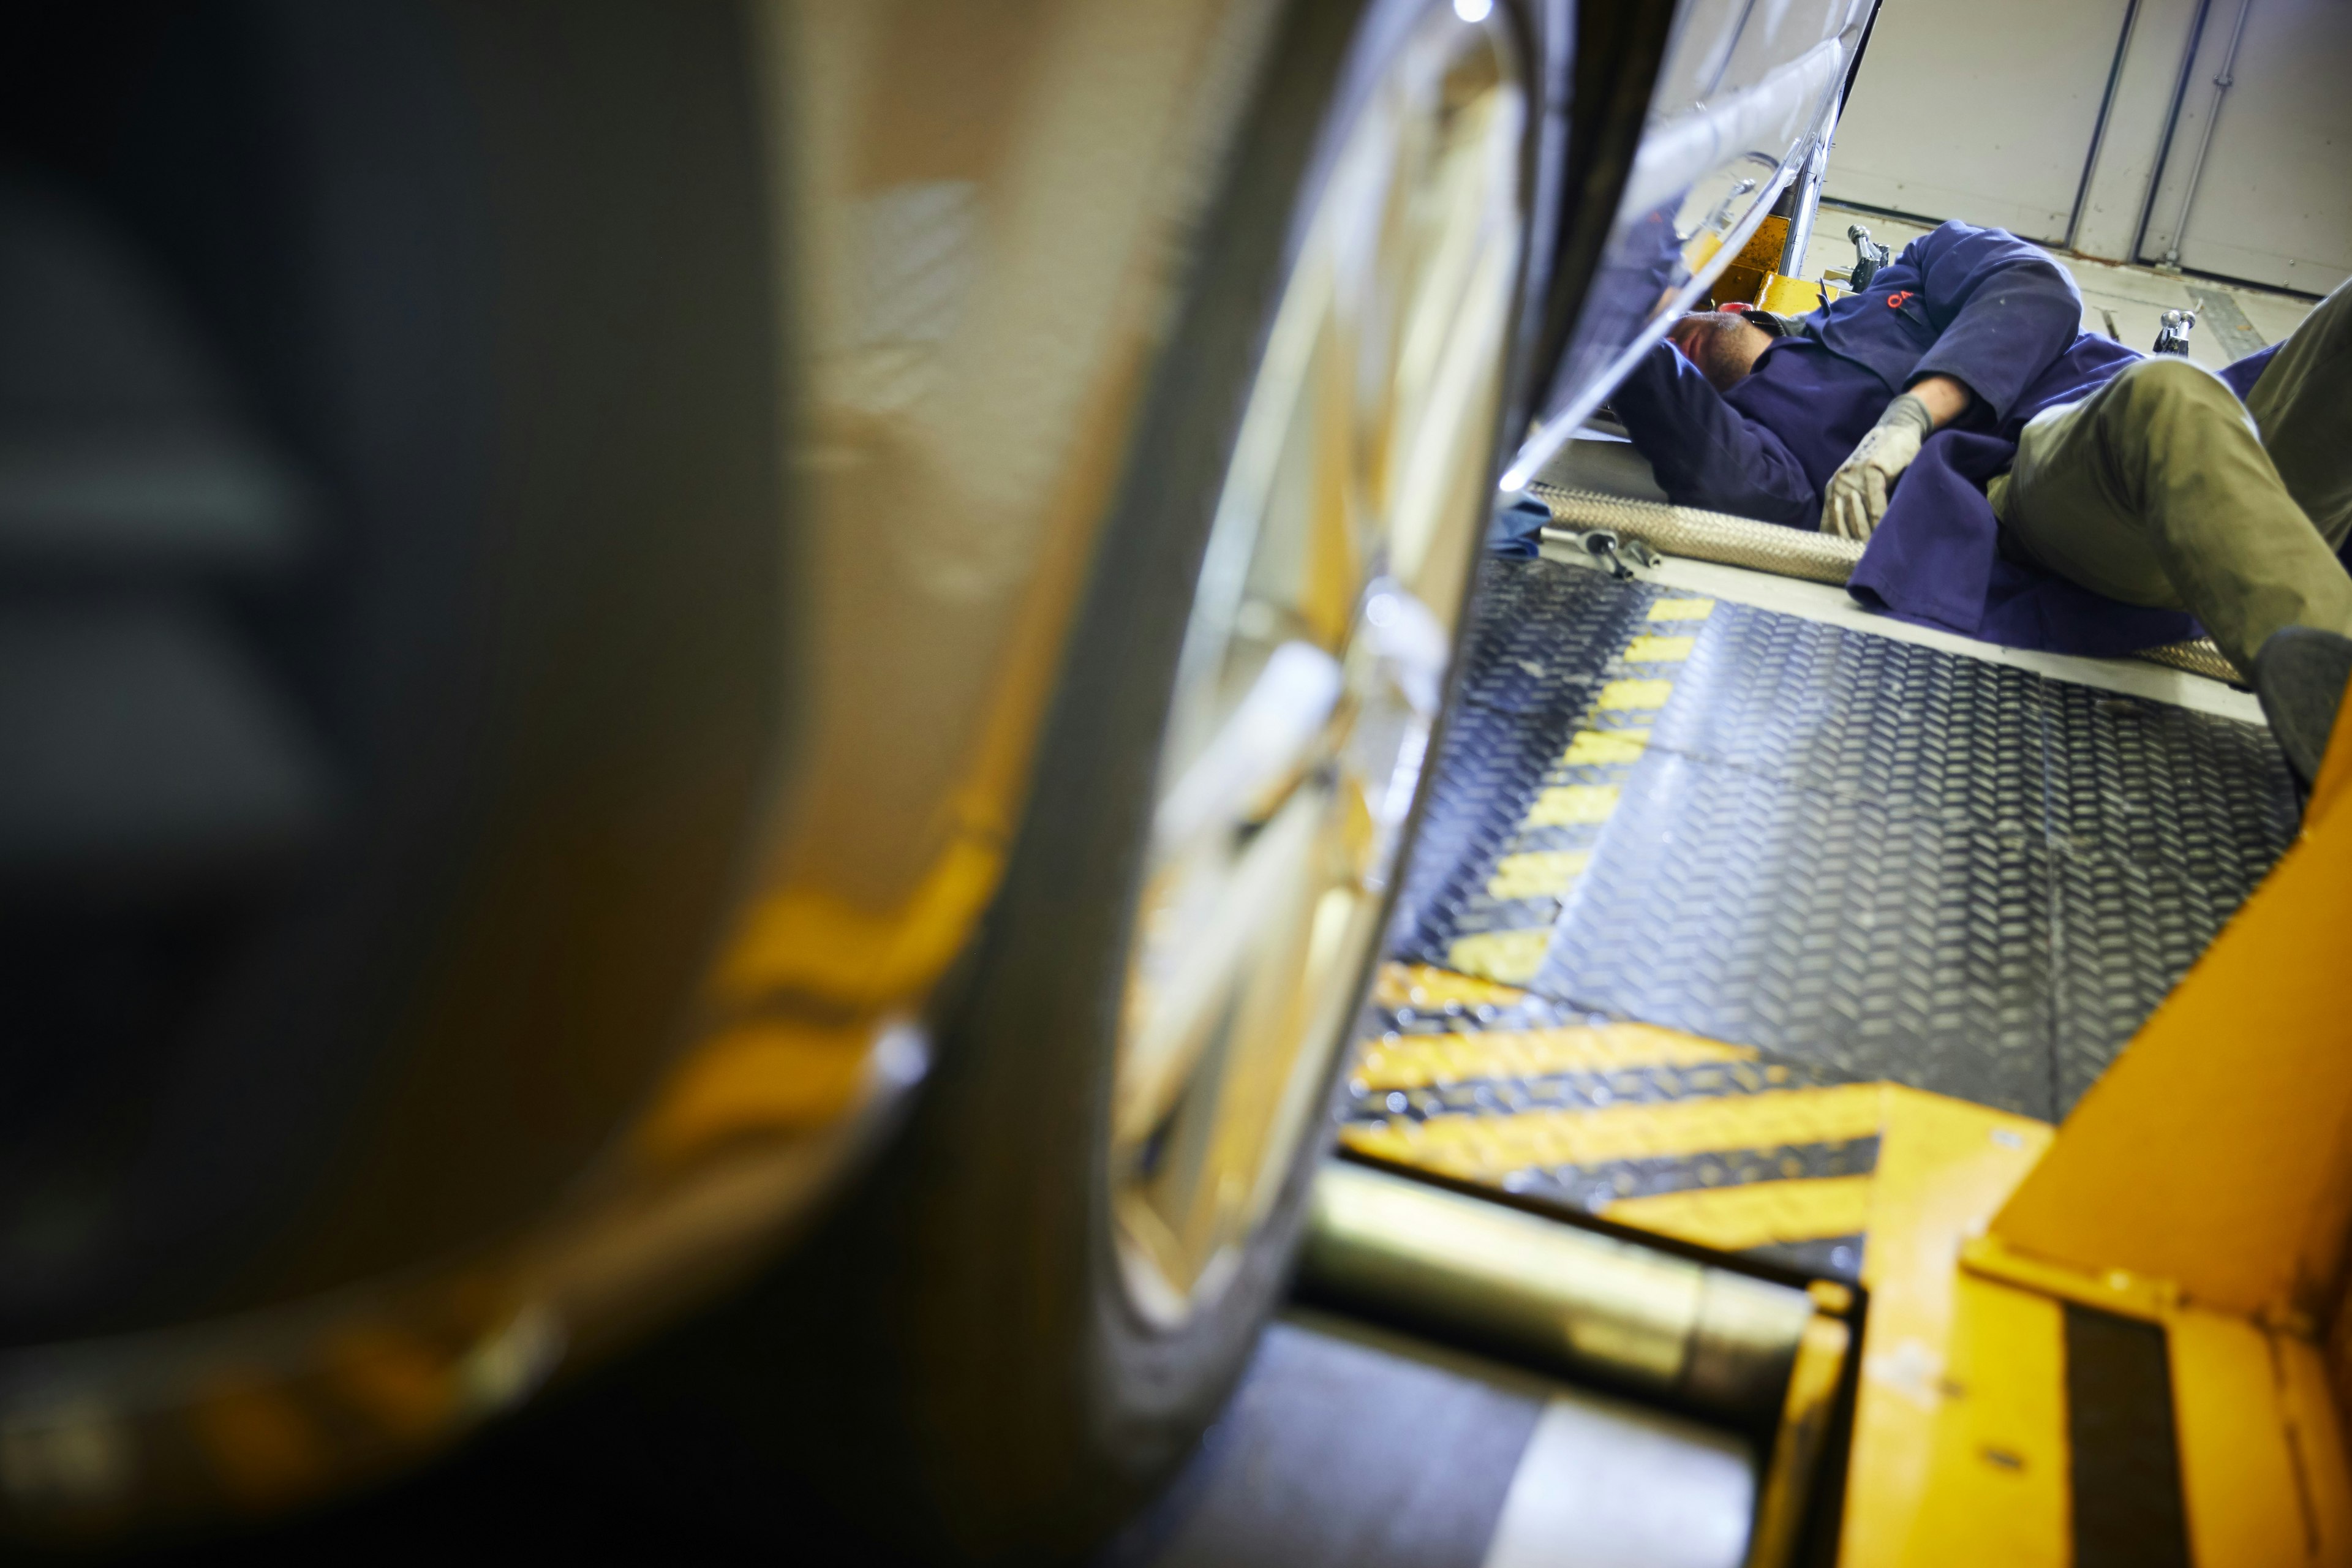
(1857, 492)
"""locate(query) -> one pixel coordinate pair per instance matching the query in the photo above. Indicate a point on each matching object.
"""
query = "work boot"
(2300, 674)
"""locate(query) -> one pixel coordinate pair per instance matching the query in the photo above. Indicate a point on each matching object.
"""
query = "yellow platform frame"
(1752, 276)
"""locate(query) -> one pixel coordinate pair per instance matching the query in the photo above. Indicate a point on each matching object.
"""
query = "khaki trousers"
(2162, 488)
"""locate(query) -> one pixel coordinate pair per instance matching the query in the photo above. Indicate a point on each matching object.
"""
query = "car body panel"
(1735, 115)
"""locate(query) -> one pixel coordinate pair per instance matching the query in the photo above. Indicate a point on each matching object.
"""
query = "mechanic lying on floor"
(2058, 490)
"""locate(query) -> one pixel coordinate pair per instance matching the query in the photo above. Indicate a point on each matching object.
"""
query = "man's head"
(1724, 344)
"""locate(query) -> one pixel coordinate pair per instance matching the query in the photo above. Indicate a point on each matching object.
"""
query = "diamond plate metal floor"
(1885, 859)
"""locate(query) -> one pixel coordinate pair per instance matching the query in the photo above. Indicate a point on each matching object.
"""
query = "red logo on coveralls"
(1894, 302)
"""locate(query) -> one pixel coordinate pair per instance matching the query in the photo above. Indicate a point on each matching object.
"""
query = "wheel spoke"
(1315, 663)
(1268, 738)
(1184, 1009)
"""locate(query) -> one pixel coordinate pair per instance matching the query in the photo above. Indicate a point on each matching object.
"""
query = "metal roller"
(1701, 535)
(2198, 658)
(1566, 1298)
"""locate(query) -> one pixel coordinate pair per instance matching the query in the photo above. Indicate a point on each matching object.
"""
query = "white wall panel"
(1985, 111)
(2275, 202)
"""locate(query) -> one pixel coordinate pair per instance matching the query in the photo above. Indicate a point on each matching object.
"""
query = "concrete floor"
(2129, 301)
(1348, 1446)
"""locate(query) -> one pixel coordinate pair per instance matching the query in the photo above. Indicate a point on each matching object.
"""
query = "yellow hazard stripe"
(1416, 1062)
(1620, 696)
(1515, 957)
(1542, 874)
(1512, 957)
(1488, 1148)
(1571, 806)
(1602, 748)
(1733, 1219)
(1426, 986)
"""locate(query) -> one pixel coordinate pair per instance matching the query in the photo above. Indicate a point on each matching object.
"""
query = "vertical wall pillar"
(2140, 110)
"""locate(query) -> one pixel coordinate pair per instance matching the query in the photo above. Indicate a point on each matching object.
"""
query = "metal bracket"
(1869, 255)
(1606, 546)
(2172, 337)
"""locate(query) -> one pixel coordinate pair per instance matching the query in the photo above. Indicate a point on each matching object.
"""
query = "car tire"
(953, 1357)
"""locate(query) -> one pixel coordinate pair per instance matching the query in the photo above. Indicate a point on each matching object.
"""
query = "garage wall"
(2079, 124)
(2273, 201)
(1951, 117)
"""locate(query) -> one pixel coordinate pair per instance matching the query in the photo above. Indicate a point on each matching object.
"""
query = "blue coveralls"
(1976, 304)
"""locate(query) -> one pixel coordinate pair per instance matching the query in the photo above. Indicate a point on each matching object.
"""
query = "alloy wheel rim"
(1314, 659)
